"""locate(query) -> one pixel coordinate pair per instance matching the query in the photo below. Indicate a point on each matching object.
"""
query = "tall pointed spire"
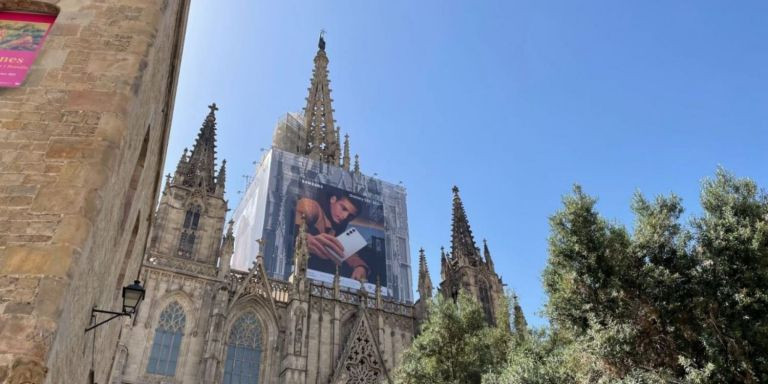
(200, 171)
(221, 178)
(487, 256)
(337, 151)
(463, 246)
(425, 282)
(443, 264)
(227, 248)
(322, 142)
(345, 160)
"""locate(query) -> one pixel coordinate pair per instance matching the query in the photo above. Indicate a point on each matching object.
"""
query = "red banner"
(21, 37)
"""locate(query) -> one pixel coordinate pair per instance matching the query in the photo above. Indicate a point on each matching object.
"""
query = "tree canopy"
(665, 302)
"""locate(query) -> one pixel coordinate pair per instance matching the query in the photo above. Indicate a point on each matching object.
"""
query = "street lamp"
(132, 296)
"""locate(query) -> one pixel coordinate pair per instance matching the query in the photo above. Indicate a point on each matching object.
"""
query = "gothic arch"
(190, 327)
(194, 200)
(486, 299)
(269, 334)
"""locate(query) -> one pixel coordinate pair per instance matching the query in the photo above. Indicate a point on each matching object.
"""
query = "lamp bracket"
(114, 314)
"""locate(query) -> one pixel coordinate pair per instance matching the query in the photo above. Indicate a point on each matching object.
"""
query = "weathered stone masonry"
(82, 145)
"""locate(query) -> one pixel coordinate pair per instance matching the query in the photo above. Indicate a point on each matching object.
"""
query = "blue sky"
(513, 101)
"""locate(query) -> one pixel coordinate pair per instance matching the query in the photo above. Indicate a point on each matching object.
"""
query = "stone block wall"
(82, 146)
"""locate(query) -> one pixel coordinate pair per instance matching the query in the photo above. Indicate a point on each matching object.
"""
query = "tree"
(668, 303)
(455, 346)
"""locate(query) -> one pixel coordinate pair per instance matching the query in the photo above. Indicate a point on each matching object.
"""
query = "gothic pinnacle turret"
(321, 138)
(463, 246)
(487, 256)
(345, 162)
(198, 170)
(425, 282)
(221, 178)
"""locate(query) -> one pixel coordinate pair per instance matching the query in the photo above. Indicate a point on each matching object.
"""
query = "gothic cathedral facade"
(205, 322)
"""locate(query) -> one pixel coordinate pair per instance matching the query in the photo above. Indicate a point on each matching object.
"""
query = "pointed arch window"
(485, 300)
(167, 342)
(188, 232)
(243, 351)
(192, 218)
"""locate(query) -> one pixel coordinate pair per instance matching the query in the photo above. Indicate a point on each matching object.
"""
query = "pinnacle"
(322, 137)
(462, 241)
(201, 162)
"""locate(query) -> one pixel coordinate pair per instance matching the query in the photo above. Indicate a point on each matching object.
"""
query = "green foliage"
(455, 345)
(667, 302)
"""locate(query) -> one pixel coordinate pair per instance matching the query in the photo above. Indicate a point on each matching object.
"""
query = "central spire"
(200, 166)
(321, 138)
(463, 246)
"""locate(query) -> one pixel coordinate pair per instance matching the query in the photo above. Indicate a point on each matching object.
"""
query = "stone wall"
(82, 146)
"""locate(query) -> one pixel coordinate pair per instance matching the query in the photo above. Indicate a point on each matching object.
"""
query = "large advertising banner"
(21, 37)
(354, 222)
(344, 231)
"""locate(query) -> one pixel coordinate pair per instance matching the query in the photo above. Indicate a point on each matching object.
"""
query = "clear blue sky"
(513, 101)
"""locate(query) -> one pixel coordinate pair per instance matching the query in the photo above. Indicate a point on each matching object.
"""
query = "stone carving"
(298, 340)
(189, 266)
(362, 365)
(361, 362)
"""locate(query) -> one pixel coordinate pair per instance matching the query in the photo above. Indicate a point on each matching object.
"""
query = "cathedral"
(310, 282)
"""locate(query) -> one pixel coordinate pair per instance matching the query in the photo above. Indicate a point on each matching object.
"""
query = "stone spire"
(200, 172)
(221, 178)
(181, 167)
(463, 246)
(322, 143)
(357, 164)
(227, 248)
(300, 259)
(337, 152)
(487, 256)
(425, 283)
(345, 160)
(443, 264)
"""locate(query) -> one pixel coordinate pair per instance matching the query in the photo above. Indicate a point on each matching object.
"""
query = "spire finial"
(321, 41)
(213, 107)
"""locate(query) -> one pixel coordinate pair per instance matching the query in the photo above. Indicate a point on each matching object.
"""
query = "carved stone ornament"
(361, 362)
(27, 371)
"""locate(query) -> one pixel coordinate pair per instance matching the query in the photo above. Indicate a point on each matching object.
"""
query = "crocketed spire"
(321, 137)
(463, 247)
(425, 282)
(198, 170)
(487, 256)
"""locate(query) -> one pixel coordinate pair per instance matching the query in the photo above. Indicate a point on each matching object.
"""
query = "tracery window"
(243, 351)
(168, 335)
(485, 300)
(188, 232)
(192, 218)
